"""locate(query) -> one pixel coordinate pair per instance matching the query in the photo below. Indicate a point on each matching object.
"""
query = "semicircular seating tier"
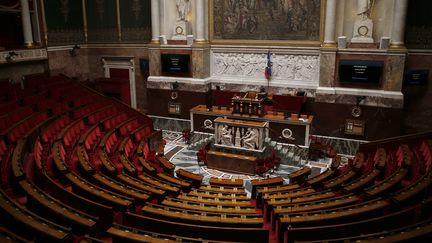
(76, 166)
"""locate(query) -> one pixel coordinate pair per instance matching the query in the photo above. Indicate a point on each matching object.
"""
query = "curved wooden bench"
(214, 181)
(202, 218)
(54, 209)
(197, 231)
(208, 207)
(275, 181)
(89, 190)
(195, 179)
(31, 223)
(332, 231)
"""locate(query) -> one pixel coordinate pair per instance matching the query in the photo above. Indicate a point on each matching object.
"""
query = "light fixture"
(72, 51)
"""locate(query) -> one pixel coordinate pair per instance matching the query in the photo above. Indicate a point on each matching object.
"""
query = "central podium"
(238, 144)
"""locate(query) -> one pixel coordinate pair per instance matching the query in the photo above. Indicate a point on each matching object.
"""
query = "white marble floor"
(183, 155)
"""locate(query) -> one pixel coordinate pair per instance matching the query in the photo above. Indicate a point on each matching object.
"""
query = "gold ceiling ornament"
(64, 9)
(13, 6)
(100, 9)
(136, 8)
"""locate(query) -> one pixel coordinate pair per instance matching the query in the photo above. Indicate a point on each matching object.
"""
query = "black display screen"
(175, 64)
(360, 71)
(416, 77)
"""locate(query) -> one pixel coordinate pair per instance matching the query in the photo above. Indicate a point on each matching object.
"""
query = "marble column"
(399, 17)
(200, 22)
(330, 24)
(26, 23)
(155, 21)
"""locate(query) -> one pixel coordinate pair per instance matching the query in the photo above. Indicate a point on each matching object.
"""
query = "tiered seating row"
(99, 175)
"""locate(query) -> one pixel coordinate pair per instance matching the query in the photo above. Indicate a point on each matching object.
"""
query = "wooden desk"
(300, 127)
(226, 182)
(231, 162)
(223, 189)
(299, 175)
(197, 230)
(166, 165)
(265, 182)
(195, 179)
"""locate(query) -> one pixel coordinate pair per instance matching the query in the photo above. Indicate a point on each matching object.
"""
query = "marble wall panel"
(327, 68)
(200, 62)
(269, 89)
(418, 98)
(165, 84)
(169, 124)
(15, 71)
(394, 70)
(72, 65)
(373, 101)
(342, 146)
(155, 61)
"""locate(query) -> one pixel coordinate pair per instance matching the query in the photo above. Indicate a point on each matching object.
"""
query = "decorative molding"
(103, 35)
(142, 34)
(170, 80)
(61, 37)
(11, 56)
(185, 84)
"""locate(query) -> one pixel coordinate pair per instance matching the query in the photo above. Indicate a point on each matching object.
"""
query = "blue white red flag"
(268, 69)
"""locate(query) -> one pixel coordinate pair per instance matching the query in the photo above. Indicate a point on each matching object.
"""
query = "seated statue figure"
(250, 139)
(226, 136)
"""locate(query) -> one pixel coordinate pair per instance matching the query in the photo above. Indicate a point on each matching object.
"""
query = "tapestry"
(266, 19)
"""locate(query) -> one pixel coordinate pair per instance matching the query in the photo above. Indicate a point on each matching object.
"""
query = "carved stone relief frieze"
(285, 67)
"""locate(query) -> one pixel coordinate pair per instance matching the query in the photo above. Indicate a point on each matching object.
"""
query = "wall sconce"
(359, 99)
(72, 51)
(10, 56)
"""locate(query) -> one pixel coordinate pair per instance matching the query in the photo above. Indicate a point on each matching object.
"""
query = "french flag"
(268, 69)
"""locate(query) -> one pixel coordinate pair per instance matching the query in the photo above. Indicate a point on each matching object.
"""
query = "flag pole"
(268, 70)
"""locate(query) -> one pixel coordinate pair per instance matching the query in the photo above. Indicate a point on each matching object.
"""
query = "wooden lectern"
(249, 105)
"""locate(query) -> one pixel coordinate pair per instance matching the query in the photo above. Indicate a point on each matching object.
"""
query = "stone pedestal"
(181, 30)
(363, 31)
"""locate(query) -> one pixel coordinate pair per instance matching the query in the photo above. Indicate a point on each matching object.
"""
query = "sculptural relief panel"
(251, 66)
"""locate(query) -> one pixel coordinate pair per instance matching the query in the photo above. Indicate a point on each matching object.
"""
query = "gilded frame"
(307, 43)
